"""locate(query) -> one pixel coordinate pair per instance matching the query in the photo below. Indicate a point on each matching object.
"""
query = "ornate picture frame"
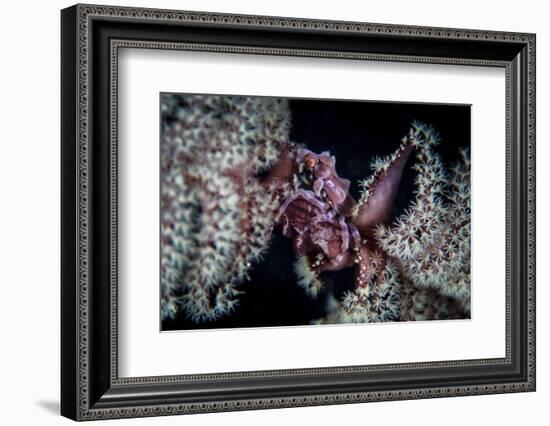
(91, 38)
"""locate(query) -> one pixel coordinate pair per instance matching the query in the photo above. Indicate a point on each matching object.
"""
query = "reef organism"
(216, 215)
(231, 178)
(418, 265)
(329, 229)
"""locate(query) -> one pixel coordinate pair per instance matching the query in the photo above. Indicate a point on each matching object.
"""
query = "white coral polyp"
(216, 221)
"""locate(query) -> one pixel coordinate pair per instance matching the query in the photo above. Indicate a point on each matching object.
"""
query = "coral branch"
(379, 191)
(217, 217)
(418, 267)
(431, 240)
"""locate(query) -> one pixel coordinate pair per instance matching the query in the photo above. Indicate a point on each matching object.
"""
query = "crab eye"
(310, 162)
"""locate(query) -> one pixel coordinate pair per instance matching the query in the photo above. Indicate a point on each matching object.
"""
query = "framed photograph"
(263, 212)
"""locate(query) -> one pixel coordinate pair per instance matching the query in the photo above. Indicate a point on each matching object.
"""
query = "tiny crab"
(326, 225)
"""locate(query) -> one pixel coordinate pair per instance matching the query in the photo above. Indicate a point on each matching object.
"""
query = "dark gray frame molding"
(91, 38)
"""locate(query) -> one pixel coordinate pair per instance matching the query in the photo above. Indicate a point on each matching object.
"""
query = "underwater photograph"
(293, 211)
